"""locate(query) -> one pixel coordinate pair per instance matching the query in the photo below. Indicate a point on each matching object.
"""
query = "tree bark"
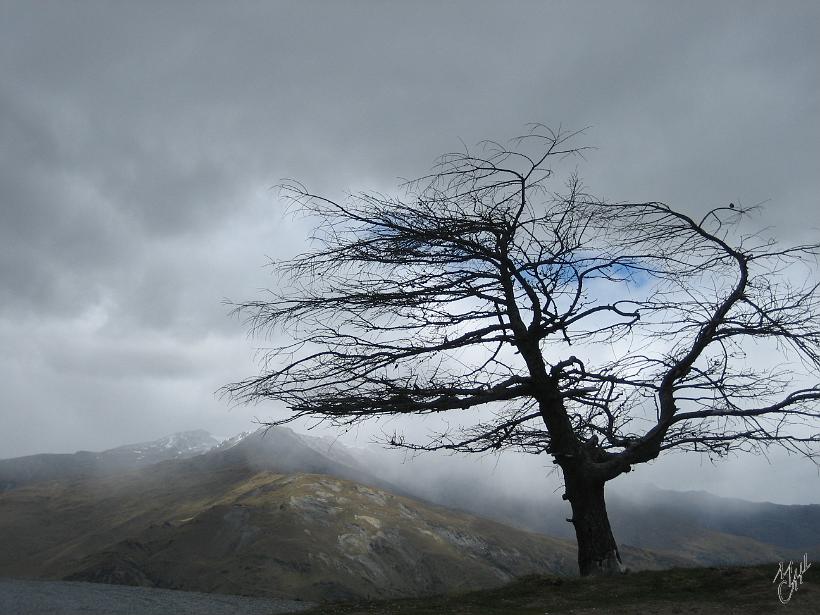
(597, 551)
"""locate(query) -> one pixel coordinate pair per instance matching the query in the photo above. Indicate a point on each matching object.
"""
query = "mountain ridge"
(122, 515)
(19, 471)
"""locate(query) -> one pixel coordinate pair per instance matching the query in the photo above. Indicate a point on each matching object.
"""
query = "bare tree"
(547, 321)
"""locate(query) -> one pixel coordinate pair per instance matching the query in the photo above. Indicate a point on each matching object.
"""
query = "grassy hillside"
(232, 529)
(315, 537)
(253, 519)
(699, 591)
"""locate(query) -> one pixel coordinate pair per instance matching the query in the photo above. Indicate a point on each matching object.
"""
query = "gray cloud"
(138, 142)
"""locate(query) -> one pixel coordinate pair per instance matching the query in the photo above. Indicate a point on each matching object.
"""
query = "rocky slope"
(285, 515)
(240, 531)
(221, 522)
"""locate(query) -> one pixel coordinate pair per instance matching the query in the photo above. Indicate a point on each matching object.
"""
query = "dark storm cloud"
(138, 142)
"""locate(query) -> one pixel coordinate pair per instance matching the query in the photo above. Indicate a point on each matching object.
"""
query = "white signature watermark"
(790, 579)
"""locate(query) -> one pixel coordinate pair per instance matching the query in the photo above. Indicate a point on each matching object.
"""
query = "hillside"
(285, 515)
(211, 525)
(791, 527)
(315, 537)
(706, 529)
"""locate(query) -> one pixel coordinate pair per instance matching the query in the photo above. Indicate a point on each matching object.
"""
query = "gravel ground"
(30, 597)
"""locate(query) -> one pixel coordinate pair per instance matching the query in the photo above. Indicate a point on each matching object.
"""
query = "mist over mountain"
(278, 513)
(648, 519)
(266, 514)
(706, 529)
(281, 450)
(19, 471)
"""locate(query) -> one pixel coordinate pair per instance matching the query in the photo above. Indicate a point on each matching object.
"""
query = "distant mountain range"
(281, 514)
(21, 471)
(282, 450)
(703, 528)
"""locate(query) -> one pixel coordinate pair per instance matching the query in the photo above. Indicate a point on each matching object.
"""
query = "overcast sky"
(139, 140)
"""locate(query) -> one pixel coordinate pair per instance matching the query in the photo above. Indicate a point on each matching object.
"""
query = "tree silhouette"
(546, 320)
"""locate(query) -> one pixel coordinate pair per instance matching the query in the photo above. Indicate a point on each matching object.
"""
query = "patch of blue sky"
(633, 272)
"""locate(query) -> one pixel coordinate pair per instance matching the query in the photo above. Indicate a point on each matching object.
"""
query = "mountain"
(697, 524)
(320, 538)
(35, 468)
(180, 445)
(703, 528)
(270, 514)
(215, 523)
(284, 451)
(281, 514)
(787, 525)
(280, 449)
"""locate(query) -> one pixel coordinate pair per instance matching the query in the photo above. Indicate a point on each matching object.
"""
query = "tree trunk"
(597, 551)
